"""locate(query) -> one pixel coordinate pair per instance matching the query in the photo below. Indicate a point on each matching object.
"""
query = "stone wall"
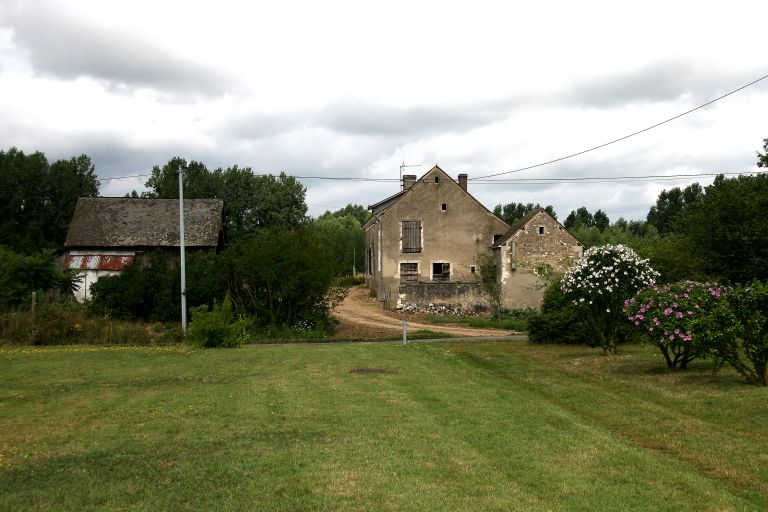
(466, 296)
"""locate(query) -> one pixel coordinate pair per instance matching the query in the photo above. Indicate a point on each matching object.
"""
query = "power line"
(598, 179)
(624, 137)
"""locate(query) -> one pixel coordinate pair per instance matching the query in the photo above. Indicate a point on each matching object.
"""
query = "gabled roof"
(385, 204)
(138, 222)
(520, 224)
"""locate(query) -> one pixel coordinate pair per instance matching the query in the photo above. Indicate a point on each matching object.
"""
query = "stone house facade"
(533, 242)
(421, 243)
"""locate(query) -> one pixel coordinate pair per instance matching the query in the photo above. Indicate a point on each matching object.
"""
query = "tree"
(762, 158)
(671, 204)
(512, 212)
(282, 278)
(344, 238)
(37, 200)
(600, 283)
(727, 228)
(601, 220)
(251, 202)
(580, 217)
(358, 211)
(491, 280)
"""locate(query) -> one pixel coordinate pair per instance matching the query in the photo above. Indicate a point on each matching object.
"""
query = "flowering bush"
(600, 282)
(669, 315)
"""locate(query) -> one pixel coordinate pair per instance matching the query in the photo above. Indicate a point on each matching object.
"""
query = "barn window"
(437, 179)
(411, 236)
(541, 230)
(496, 238)
(472, 269)
(409, 273)
(441, 271)
(444, 206)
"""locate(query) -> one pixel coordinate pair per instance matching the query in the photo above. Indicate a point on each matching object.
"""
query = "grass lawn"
(440, 426)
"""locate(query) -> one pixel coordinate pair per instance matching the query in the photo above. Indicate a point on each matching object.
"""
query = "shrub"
(559, 320)
(598, 285)
(667, 315)
(738, 328)
(218, 327)
(67, 324)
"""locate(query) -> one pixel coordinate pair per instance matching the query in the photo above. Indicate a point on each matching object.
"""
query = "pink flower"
(679, 314)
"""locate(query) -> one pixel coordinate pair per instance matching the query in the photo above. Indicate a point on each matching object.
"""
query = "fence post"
(405, 332)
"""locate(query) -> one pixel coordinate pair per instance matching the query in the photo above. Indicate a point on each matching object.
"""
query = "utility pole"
(354, 256)
(183, 260)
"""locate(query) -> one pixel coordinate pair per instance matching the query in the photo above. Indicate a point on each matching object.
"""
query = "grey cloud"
(67, 48)
(663, 81)
(360, 118)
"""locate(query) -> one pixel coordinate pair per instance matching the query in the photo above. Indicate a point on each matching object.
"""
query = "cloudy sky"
(354, 89)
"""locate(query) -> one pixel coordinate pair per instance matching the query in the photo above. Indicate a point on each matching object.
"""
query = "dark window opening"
(472, 269)
(496, 238)
(444, 206)
(411, 236)
(441, 271)
(409, 273)
(541, 230)
(437, 179)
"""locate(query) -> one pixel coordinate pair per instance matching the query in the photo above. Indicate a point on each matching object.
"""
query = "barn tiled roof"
(138, 222)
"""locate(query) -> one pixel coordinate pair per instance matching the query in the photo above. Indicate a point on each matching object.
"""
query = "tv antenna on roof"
(403, 166)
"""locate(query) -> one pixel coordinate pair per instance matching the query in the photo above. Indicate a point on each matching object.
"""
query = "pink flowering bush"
(669, 315)
(600, 282)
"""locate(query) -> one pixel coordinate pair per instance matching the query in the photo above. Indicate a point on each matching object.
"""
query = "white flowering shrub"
(600, 283)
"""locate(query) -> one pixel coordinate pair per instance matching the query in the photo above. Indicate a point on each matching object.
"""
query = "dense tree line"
(37, 199)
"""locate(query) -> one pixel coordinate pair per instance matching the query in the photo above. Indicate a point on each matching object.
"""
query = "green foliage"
(490, 278)
(149, 290)
(358, 211)
(512, 212)
(347, 281)
(668, 315)
(283, 277)
(762, 158)
(559, 321)
(671, 205)
(727, 229)
(218, 327)
(600, 283)
(37, 200)
(251, 202)
(738, 329)
(20, 275)
(71, 324)
(344, 239)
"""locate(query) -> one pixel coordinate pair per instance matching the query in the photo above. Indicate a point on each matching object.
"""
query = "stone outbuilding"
(108, 234)
(535, 244)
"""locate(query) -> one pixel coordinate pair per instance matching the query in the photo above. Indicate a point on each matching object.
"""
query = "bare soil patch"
(362, 316)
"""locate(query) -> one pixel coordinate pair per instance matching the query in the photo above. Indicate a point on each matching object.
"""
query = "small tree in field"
(599, 284)
(491, 280)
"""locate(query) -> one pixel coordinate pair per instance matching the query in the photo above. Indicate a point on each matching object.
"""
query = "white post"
(183, 261)
(354, 257)
(405, 333)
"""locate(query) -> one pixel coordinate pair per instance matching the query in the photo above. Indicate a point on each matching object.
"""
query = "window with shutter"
(411, 236)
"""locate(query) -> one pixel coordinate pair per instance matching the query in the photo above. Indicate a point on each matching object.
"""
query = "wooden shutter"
(411, 236)
(409, 273)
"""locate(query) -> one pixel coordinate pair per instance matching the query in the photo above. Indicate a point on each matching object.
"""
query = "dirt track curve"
(361, 316)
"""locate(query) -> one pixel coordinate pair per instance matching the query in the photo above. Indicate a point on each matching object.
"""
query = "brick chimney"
(463, 181)
(408, 181)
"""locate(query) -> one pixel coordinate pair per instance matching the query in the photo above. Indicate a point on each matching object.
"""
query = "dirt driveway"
(361, 316)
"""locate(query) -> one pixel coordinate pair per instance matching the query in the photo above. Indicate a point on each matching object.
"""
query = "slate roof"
(137, 222)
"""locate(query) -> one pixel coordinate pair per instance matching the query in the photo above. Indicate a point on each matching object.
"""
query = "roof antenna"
(403, 166)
